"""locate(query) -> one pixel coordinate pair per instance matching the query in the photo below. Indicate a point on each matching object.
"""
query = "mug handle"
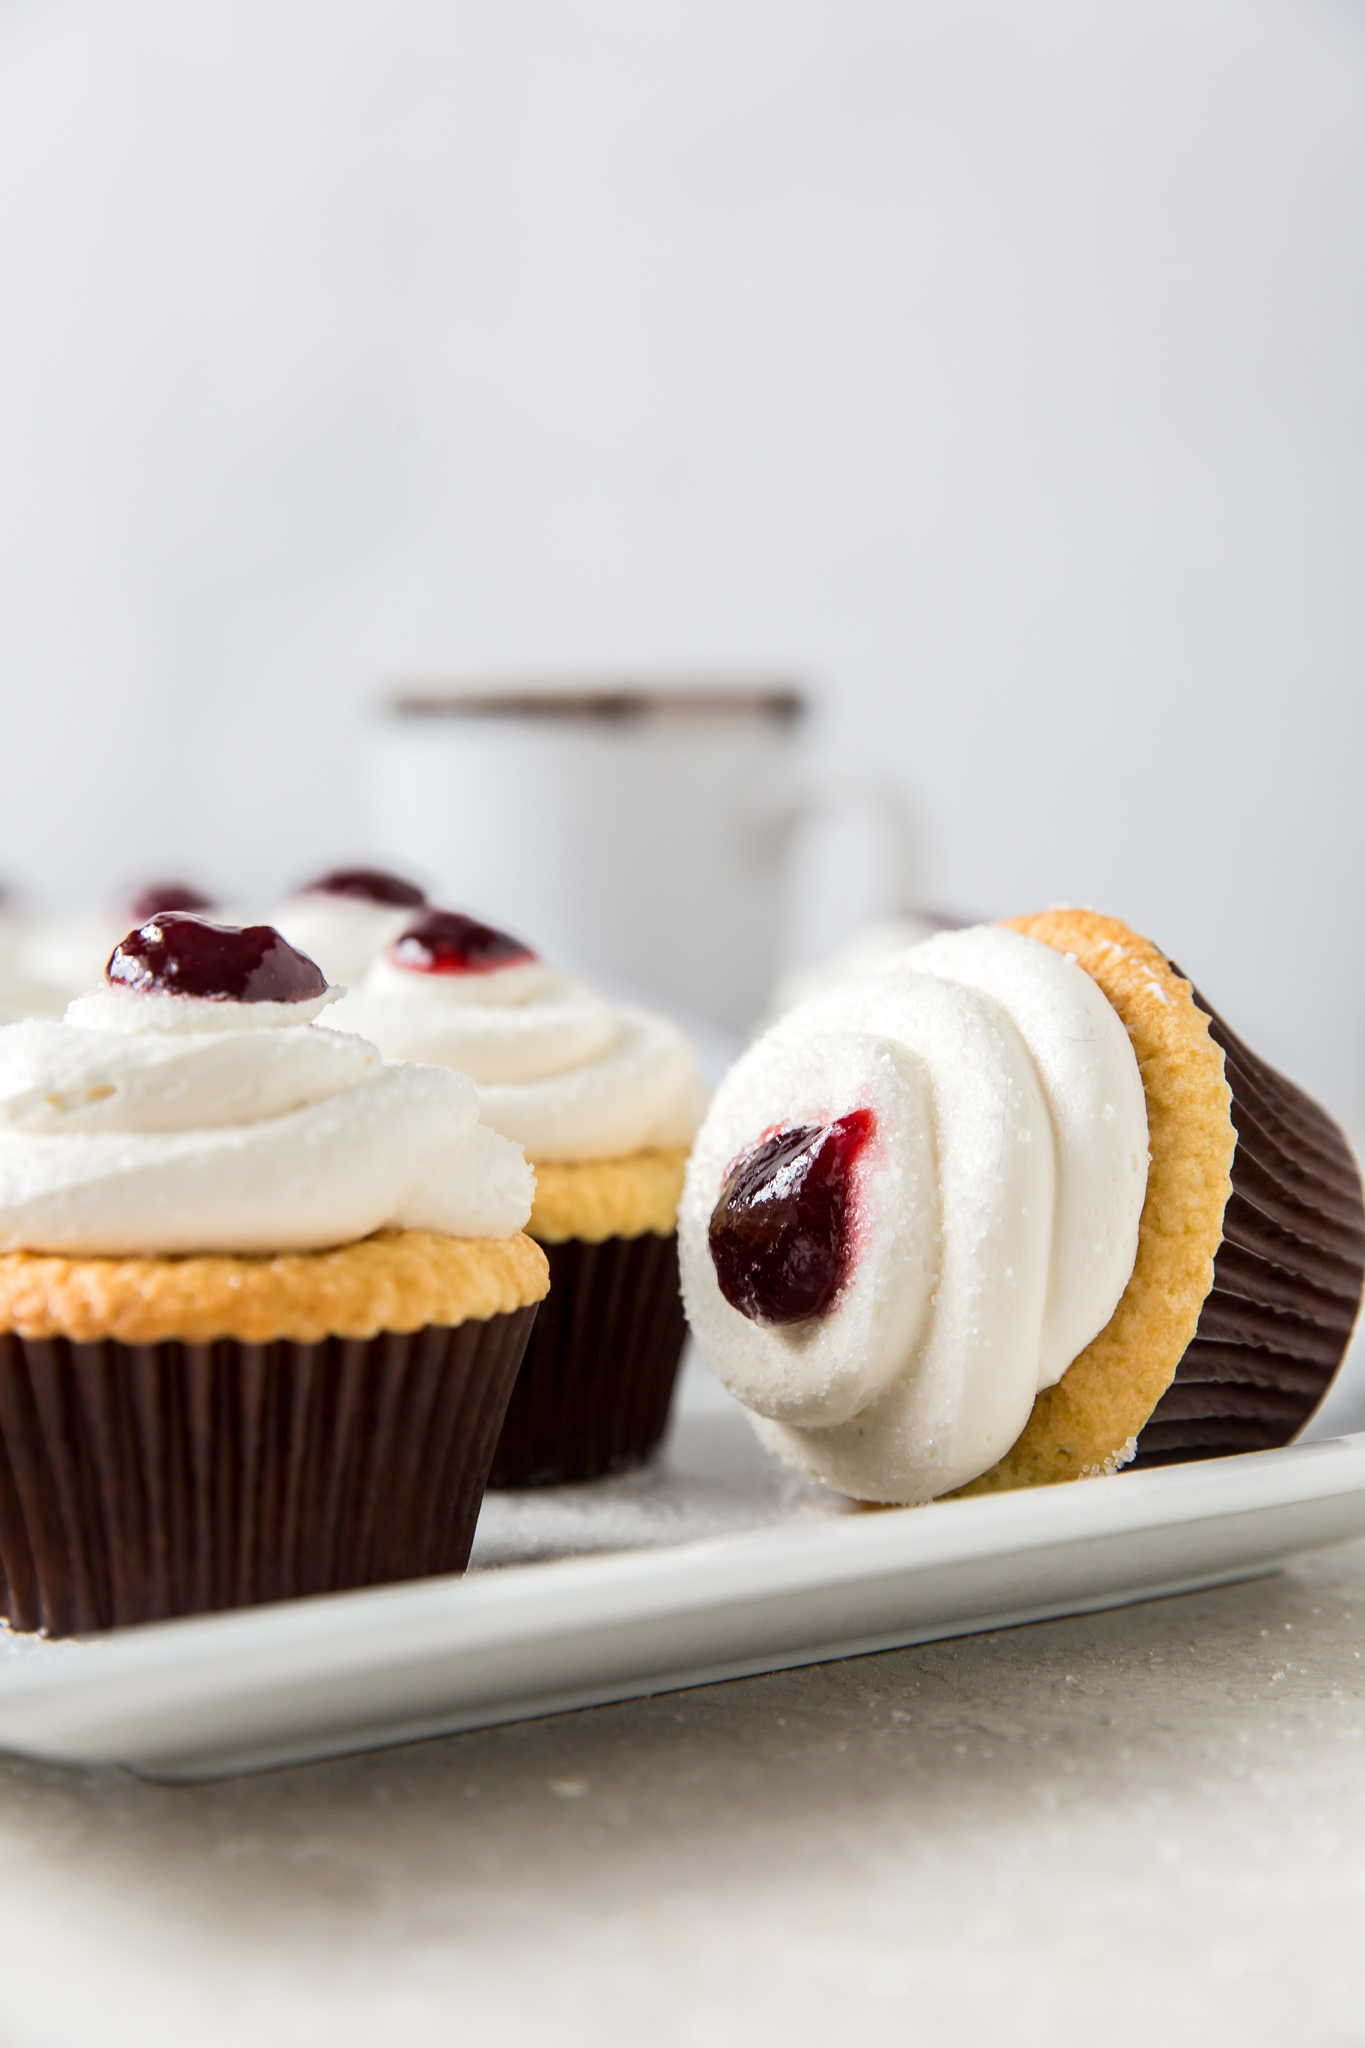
(876, 802)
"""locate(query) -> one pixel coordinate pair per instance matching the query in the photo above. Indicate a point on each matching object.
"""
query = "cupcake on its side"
(605, 1100)
(262, 1297)
(1013, 1209)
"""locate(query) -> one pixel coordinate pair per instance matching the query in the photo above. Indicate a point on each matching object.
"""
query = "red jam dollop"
(368, 885)
(448, 942)
(167, 896)
(781, 1233)
(179, 954)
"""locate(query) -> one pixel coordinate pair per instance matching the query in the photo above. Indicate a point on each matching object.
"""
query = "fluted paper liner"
(593, 1393)
(1286, 1279)
(143, 1481)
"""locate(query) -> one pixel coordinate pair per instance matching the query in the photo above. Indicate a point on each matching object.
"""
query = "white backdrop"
(997, 368)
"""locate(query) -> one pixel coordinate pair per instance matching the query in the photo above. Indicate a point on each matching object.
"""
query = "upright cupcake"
(345, 918)
(22, 992)
(262, 1297)
(1017, 1207)
(605, 1100)
(60, 954)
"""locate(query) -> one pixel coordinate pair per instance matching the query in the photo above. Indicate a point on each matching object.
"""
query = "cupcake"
(23, 992)
(262, 1296)
(60, 954)
(605, 1100)
(1017, 1207)
(345, 918)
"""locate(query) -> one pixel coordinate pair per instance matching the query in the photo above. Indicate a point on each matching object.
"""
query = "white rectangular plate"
(713, 1564)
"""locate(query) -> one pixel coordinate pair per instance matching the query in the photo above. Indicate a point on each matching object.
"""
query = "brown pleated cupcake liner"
(139, 1482)
(1286, 1279)
(593, 1393)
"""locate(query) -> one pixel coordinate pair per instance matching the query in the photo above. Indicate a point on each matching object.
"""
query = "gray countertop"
(1142, 1825)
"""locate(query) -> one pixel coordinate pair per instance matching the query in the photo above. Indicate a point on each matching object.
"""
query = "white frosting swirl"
(160, 1124)
(559, 1069)
(53, 957)
(995, 1211)
(344, 934)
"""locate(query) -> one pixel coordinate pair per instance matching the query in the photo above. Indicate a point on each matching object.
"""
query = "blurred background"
(992, 372)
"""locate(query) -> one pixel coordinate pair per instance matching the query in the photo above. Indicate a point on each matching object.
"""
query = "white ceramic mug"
(640, 834)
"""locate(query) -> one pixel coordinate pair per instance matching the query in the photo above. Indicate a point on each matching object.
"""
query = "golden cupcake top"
(594, 1199)
(395, 1281)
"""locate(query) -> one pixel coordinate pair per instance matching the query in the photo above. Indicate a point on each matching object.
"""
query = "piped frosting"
(558, 1068)
(995, 1213)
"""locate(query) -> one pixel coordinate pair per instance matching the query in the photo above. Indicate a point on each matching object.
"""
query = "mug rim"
(600, 703)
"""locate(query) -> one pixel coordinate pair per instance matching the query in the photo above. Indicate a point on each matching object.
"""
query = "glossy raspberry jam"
(179, 954)
(367, 885)
(781, 1233)
(166, 896)
(448, 942)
